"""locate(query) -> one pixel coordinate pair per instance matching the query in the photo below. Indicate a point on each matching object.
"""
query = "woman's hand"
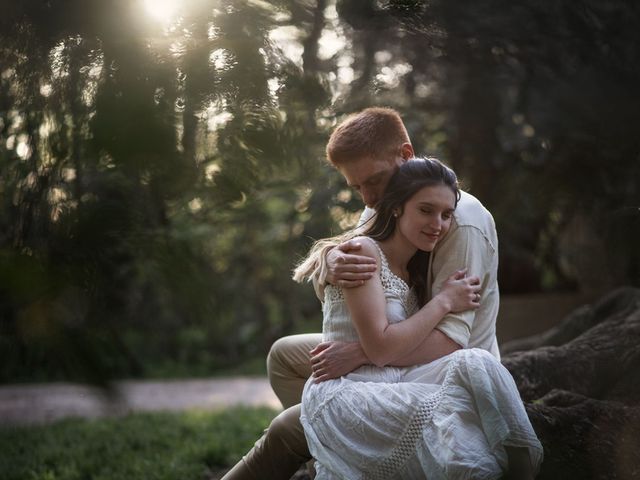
(345, 269)
(461, 293)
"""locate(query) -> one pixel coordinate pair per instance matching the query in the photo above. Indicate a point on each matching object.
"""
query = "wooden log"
(585, 438)
(581, 386)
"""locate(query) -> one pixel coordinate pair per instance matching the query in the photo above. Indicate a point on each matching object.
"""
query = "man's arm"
(345, 267)
(334, 359)
(465, 247)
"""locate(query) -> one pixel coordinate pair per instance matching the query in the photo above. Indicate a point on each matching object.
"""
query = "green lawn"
(192, 445)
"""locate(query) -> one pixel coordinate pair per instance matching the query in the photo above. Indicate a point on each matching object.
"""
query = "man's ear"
(406, 150)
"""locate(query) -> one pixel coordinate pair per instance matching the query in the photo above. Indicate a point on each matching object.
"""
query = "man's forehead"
(361, 171)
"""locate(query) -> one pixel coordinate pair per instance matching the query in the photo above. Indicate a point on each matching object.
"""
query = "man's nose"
(369, 198)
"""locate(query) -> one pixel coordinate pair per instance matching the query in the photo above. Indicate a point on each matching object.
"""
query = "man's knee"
(289, 366)
(277, 358)
(286, 435)
(280, 430)
(289, 356)
(278, 453)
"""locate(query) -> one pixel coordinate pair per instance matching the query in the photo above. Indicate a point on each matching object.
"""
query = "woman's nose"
(436, 223)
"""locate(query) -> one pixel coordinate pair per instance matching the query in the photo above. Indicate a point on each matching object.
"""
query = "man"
(366, 149)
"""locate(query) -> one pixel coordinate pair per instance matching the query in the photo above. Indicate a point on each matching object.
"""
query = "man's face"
(369, 176)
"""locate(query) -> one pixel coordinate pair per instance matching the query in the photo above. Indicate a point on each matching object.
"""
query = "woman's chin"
(427, 246)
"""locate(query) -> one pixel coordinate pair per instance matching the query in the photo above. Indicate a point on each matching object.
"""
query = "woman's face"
(426, 216)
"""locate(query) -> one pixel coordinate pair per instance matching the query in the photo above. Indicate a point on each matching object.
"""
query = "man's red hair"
(374, 132)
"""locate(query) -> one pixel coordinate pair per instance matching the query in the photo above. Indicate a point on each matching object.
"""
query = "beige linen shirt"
(471, 243)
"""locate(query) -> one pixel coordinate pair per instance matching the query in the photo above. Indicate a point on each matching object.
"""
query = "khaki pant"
(280, 452)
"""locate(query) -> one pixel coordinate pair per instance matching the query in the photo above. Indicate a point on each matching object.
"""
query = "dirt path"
(45, 403)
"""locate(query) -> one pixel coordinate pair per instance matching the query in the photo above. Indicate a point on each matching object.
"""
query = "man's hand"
(334, 359)
(346, 269)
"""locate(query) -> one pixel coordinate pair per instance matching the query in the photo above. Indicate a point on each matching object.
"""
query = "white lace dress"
(449, 419)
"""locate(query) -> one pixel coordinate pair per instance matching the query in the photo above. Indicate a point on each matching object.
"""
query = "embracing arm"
(464, 248)
(334, 359)
(344, 263)
(384, 343)
(435, 346)
(468, 247)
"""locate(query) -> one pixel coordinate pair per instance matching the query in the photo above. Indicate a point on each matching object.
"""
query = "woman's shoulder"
(368, 247)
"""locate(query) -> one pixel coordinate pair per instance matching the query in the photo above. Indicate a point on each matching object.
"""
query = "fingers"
(475, 288)
(355, 269)
(475, 300)
(353, 276)
(322, 374)
(318, 370)
(361, 261)
(462, 274)
(459, 275)
(320, 364)
(349, 245)
(321, 378)
(473, 282)
(319, 348)
(352, 270)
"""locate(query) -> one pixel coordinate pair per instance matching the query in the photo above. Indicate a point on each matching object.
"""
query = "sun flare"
(161, 10)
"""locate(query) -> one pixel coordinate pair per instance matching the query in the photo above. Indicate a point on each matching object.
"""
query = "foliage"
(139, 446)
(160, 178)
(542, 108)
(534, 105)
(153, 192)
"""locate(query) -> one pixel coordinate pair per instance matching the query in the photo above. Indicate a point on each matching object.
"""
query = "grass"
(192, 445)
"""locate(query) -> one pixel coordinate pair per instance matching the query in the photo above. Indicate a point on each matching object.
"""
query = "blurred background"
(162, 163)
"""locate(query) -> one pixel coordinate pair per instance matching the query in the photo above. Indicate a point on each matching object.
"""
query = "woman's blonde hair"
(315, 265)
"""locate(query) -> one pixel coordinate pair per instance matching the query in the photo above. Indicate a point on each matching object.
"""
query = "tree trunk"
(580, 384)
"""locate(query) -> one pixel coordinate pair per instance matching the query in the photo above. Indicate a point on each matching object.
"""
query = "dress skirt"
(449, 419)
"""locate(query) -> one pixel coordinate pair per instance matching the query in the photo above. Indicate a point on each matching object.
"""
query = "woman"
(457, 417)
